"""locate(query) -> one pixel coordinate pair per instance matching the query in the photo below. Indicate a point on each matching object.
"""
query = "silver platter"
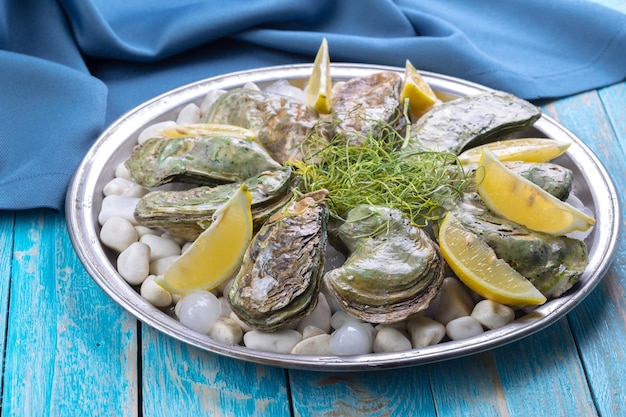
(84, 198)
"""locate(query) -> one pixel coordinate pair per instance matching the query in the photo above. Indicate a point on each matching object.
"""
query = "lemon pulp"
(319, 88)
(478, 267)
(217, 253)
(519, 200)
(524, 149)
(414, 88)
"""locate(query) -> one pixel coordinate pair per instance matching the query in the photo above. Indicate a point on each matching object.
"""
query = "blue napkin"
(69, 68)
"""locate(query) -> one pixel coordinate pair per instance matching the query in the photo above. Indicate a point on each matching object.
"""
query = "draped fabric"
(68, 68)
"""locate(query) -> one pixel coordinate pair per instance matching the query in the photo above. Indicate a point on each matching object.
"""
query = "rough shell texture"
(281, 123)
(361, 102)
(205, 160)
(471, 121)
(281, 275)
(187, 213)
(394, 268)
(552, 263)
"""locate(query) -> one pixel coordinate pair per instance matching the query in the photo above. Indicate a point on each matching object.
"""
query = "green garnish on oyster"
(423, 185)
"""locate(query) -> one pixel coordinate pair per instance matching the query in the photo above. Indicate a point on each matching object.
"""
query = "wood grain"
(178, 379)
(70, 350)
(599, 323)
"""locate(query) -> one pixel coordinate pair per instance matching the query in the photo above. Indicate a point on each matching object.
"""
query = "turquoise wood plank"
(6, 258)
(181, 380)
(401, 392)
(531, 377)
(70, 350)
(599, 323)
(540, 374)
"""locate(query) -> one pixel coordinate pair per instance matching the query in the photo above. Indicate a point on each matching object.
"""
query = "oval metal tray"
(84, 198)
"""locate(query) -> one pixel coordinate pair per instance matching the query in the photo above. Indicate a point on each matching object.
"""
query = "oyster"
(281, 123)
(471, 121)
(360, 103)
(187, 213)
(393, 271)
(552, 263)
(555, 179)
(281, 274)
(206, 160)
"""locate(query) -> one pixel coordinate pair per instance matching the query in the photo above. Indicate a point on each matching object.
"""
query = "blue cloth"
(70, 67)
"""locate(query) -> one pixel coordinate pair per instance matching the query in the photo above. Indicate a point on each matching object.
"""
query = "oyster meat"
(280, 278)
(394, 269)
(281, 123)
(187, 213)
(205, 160)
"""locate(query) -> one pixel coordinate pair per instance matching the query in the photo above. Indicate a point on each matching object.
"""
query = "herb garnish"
(422, 184)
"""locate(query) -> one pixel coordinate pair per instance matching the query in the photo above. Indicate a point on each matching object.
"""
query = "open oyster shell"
(281, 274)
(205, 160)
(187, 213)
(393, 271)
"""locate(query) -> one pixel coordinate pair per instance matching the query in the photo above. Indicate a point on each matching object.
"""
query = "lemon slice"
(208, 129)
(414, 88)
(319, 87)
(525, 149)
(477, 265)
(217, 253)
(517, 199)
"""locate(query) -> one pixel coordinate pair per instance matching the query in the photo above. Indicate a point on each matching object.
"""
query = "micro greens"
(375, 170)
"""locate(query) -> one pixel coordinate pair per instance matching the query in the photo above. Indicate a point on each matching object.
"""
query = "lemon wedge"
(318, 89)
(517, 199)
(524, 149)
(478, 267)
(217, 253)
(208, 129)
(414, 88)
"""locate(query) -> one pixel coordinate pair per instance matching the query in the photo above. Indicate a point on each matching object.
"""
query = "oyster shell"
(205, 160)
(187, 213)
(280, 277)
(471, 121)
(552, 263)
(393, 271)
(281, 123)
(360, 103)
(555, 179)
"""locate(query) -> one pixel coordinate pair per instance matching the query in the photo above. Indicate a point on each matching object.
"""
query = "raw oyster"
(555, 179)
(360, 103)
(281, 275)
(281, 123)
(205, 160)
(187, 213)
(552, 263)
(471, 121)
(393, 271)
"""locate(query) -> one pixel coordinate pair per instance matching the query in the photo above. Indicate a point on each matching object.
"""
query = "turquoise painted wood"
(179, 379)
(6, 258)
(599, 323)
(403, 392)
(62, 357)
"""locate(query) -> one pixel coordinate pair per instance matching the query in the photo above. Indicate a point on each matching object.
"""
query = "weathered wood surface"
(71, 351)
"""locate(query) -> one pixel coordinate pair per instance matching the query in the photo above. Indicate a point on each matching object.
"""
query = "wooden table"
(69, 350)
